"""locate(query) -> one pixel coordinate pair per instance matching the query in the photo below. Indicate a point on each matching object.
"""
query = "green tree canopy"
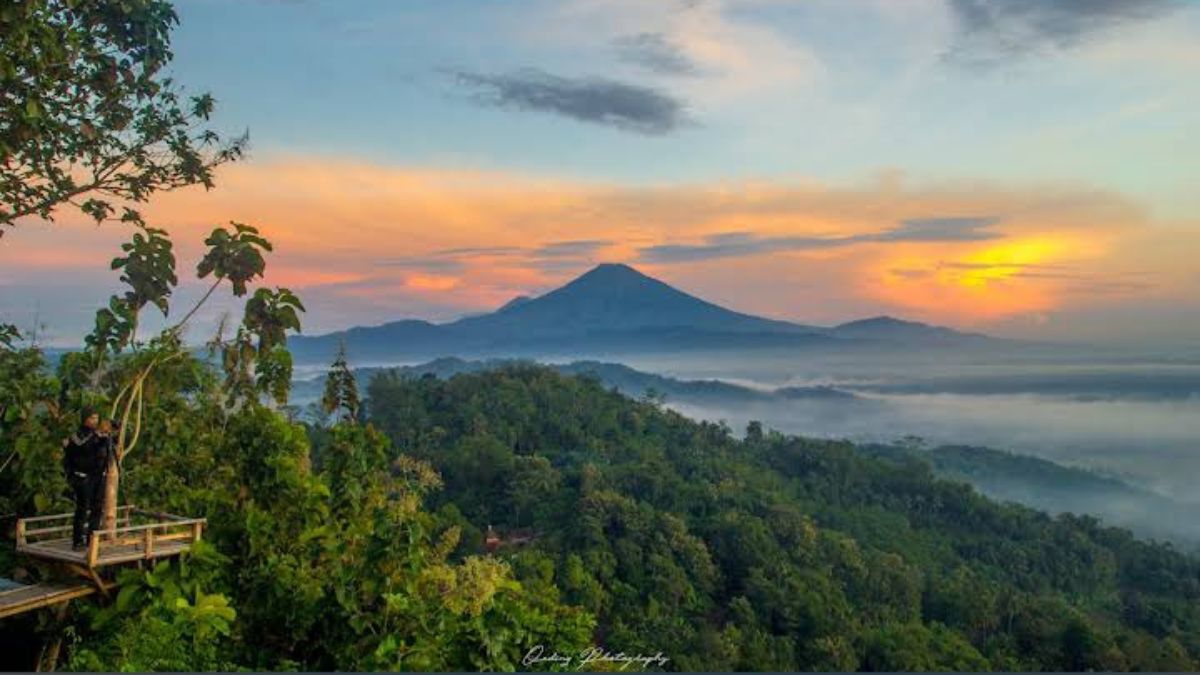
(87, 116)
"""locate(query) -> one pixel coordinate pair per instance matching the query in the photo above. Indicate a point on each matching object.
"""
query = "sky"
(1024, 168)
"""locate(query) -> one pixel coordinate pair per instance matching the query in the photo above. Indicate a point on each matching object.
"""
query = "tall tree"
(87, 116)
(341, 390)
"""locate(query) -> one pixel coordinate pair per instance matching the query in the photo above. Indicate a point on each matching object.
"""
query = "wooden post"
(196, 529)
(112, 481)
(20, 533)
(48, 658)
(148, 542)
(93, 552)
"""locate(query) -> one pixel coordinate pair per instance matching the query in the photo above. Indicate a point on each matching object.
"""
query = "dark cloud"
(940, 229)
(910, 273)
(1111, 287)
(628, 107)
(425, 263)
(733, 246)
(548, 255)
(996, 31)
(654, 52)
(571, 249)
(738, 244)
(476, 251)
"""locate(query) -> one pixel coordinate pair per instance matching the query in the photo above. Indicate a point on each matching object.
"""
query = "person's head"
(89, 419)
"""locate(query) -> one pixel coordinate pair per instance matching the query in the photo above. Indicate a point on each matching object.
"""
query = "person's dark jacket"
(87, 452)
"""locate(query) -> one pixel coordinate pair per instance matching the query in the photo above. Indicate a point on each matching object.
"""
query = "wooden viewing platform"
(19, 598)
(139, 535)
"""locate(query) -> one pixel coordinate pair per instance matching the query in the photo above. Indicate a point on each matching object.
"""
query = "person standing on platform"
(86, 456)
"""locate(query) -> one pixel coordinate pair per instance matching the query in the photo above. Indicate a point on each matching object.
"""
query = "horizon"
(1025, 172)
(630, 269)
(756, 335)
(599, 266)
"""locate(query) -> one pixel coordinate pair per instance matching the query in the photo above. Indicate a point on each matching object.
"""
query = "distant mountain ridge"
(612, 308)
(631, 382)
(892, 329)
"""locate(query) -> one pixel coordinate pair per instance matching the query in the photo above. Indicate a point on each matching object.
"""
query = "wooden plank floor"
(27, 598)
(60, 549)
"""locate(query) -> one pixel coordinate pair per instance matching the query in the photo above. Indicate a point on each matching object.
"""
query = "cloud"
(940, 229)
(738, 244)
(994, 266)
(479, 251)
(995, 31)
(553, 256)
(596, 100)
(432, 263)
(654, 52)
(570, 249)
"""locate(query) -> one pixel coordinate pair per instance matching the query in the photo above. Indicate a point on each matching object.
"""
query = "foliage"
(87, 116)
(8, 335)
(162, 619)
(341, 390)
(777, 552)
(359, 547)
(336, 568)
(333, 569)
(235, 256)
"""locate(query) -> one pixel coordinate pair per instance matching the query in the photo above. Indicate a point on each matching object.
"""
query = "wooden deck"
(139, 535)
(28, 598)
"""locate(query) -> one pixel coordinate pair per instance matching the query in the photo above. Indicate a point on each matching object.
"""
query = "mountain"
(889, 329)
(618, 298)
(612, 309)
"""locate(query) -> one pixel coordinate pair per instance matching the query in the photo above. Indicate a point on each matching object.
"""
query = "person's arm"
(69, 452)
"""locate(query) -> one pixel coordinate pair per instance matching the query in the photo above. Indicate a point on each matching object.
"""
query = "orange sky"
(366, 244)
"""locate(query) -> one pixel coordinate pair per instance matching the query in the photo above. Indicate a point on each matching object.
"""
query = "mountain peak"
(880, 321)
(616, 268)
(515, 302)
(612, 272)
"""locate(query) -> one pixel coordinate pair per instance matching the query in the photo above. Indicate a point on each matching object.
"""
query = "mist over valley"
(1122, 423)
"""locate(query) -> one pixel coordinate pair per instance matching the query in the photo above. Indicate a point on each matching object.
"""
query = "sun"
(1011, 277)
(1013, 259)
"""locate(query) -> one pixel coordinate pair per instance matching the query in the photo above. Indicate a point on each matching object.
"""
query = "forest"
(359, 543)
(359, 540)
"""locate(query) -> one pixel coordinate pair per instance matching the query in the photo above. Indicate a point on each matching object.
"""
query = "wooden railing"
(46, 526)
(139, 534)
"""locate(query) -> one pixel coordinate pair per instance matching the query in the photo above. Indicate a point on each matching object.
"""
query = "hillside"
(780, 553)
(1055, 488)
(1023, 479)
(631, 382)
